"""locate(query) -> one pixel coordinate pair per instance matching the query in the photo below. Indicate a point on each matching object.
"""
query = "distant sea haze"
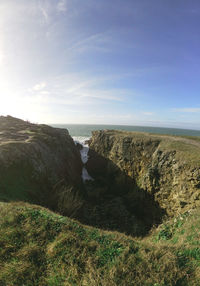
(81, 130)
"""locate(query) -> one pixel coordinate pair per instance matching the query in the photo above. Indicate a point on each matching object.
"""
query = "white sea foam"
(81, 139)
(86, 176)
(84, 156)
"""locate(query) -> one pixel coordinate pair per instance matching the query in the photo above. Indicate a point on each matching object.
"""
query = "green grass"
(185, 147)
(39, 247)
(186, 153)
(184, 229)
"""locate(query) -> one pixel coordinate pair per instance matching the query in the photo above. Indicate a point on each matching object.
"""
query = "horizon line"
(107, 124)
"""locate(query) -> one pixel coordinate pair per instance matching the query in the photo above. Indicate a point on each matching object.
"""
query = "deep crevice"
(114, 201)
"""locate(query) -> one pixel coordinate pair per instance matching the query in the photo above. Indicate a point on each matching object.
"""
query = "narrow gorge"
(144, 177)
(124, 181)
(165, 167)
(124, 211)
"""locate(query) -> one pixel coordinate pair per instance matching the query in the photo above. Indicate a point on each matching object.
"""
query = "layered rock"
(165, 167)
(35, 160)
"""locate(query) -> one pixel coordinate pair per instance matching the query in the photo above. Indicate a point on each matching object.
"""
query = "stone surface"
(34, 159)
(166, 167)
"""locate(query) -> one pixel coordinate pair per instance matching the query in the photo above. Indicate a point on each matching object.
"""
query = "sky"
(132, 62)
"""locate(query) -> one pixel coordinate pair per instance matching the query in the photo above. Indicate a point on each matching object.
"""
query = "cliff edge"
(34, 160)
(165, 167)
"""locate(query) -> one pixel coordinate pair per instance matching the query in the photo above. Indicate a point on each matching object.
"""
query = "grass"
(182, 230)
(39, 247)
(186, 153)
(187, 147)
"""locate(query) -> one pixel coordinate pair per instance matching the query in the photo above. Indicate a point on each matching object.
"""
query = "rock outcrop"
(36, 161)
(165, 167)
(138, 177)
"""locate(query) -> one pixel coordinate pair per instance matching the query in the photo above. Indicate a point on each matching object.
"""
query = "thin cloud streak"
(148, 113)
(62, 6)
(66, 91)
(187, 110)
(39, 86)
(99, 41)
(44, 12)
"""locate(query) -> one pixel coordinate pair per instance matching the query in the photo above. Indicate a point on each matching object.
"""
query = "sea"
(82, 131)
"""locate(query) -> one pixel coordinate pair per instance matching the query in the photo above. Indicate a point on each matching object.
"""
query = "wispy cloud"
(113, 95)
(44, 12)
(98, 42)
(62, 6)
(148, 113)
(44, 92)
(39, 86)
(187, 109)
(78, 90)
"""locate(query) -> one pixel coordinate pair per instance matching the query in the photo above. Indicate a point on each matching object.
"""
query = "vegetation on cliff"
(39, 247)
(146, 186)
(165, 167)
(34, 159)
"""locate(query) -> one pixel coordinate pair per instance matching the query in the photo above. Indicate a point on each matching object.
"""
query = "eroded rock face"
(138, 177)
(34, 159)
(166, 167)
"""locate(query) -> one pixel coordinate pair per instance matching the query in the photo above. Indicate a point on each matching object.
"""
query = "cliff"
(35, 161)
(138, 178)
(165, 167)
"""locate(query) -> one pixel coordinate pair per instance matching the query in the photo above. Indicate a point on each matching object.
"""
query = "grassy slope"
(39, 247)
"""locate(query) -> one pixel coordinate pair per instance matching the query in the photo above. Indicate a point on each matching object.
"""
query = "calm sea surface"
(81, 130)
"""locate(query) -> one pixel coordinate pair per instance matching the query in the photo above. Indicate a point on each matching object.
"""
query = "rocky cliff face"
(35, 161)
(165, 167)
(138, 177)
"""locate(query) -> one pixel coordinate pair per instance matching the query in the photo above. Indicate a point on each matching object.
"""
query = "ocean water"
(84, 156)
(81, 133)
(85, 130)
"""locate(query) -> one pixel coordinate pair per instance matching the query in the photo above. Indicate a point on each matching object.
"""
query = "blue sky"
(134, 62)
